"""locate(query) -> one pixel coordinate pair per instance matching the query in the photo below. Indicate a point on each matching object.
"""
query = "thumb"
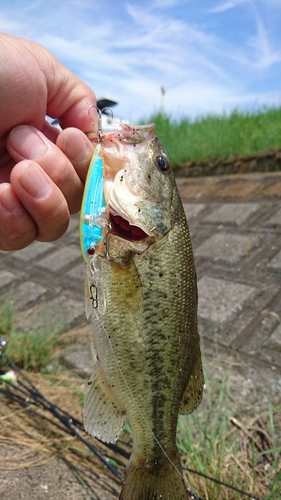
(69, 99)
(34, 83)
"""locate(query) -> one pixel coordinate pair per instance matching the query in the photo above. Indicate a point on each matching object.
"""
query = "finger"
(42, 199)
(17, 228)
(78, 114)
(26, 142)
(78, 148)
(46, 87)
(6, 165)
(68, 98)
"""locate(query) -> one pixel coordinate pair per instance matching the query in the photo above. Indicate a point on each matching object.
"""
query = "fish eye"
(162, 163)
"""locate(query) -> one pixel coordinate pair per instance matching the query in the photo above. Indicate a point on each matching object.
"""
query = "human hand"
(42, 171)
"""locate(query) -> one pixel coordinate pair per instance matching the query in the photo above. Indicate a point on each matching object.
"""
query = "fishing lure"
(94, 225)
(93, 207)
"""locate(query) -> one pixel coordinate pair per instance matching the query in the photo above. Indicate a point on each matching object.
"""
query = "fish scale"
(149, 365)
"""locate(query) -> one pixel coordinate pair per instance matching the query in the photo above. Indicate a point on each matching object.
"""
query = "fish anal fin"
(103, 416)
(193, 392)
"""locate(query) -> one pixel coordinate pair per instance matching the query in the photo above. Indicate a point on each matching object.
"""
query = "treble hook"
(100, 133)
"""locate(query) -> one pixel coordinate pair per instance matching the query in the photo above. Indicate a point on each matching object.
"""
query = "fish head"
(139, 186)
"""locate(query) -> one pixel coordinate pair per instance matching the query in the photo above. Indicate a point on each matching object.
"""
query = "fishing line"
(135, 402)
(30, 395)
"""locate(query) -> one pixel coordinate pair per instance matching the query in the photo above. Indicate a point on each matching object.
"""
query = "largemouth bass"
(142, 295)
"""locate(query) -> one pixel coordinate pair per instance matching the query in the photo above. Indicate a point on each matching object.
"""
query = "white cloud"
(229, 4)
(131, 49)
(9, 25)
(266, 55)
(166, 3)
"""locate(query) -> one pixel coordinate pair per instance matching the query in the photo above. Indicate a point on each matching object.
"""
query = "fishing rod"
(28, 396)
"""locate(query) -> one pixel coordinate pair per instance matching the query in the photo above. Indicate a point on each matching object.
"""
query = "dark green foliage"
(219, 136)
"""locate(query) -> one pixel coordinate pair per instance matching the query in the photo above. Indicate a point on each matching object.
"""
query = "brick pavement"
(235, 224)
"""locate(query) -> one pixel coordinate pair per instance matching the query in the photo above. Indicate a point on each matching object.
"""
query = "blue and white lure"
(93, 207)
(94, 226)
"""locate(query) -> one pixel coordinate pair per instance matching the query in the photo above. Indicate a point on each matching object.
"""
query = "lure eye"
(91, 251)
(162, 163)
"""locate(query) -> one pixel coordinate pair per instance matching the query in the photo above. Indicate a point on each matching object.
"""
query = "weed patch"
(215, 136)
(220, 441)
(29, 350)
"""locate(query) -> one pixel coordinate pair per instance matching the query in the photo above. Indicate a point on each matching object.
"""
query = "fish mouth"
(122, 228)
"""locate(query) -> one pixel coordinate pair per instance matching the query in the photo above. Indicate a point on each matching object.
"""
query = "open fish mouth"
(122, 228)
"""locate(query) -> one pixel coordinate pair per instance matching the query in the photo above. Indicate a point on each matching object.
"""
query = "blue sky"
(211, 55)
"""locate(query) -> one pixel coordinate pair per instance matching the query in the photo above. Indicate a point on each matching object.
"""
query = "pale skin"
(42, 170)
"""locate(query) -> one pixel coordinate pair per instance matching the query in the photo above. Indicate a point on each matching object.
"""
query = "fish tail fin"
(152, 482)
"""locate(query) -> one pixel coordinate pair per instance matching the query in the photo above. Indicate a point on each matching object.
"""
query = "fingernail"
(10, 201)
(34, 180)
(76, 147)
(28, 142)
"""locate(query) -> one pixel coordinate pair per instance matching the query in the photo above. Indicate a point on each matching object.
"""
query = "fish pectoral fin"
(194, 389)
(103, 416)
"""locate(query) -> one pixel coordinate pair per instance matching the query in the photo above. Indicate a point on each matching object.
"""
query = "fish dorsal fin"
(103, 416)
(194, 389)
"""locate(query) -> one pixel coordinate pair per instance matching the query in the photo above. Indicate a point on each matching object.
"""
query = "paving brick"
(73, 238)
(73, 223)
(26, 293)
(266, 344)
(274, 341)
(7, 278)
(258, 338)
(232, 213)
(249, 382)
(270, 347)
(274, 220)
(78, 358)
(275, 263)
(227, 248)
(197, 192)
(34, 251)
(273, 191)
(60, 259)
(238, 191)
(271, 356)
(219, 300)
(242, 318)
(76, 275)
(4, 256)
(60, 314)
(192, 209)
(183, 182)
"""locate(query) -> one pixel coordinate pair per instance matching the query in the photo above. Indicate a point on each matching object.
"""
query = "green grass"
(33, 350)
(221, 441)
(6, 318)
(215, 136)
